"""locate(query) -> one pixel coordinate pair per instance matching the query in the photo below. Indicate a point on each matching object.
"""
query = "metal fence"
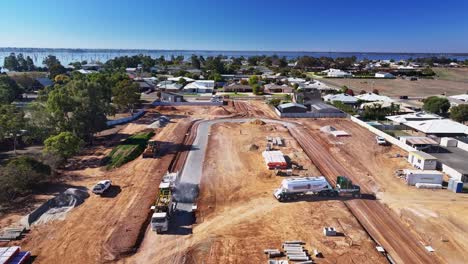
(310, 115)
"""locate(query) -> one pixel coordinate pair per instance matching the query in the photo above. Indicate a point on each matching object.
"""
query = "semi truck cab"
(160, 222)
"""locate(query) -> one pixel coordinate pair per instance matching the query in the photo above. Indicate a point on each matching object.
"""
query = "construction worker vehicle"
(151, 150)
(294, 188)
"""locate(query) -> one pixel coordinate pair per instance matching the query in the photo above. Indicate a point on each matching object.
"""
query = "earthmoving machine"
(164, 206)
(151, 150)
(294, 188)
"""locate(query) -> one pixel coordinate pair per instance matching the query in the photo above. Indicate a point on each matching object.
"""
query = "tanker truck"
(294, 188)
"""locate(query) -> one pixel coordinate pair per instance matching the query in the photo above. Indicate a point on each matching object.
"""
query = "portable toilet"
(458, 186)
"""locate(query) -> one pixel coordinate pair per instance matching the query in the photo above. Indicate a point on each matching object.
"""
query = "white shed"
(422, 160)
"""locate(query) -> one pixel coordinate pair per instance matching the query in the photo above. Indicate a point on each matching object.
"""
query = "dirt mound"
(220, 111)
(253, 147)
(166, 107)
(257, 122)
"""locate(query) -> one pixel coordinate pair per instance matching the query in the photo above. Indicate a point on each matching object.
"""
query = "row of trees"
(18, 63)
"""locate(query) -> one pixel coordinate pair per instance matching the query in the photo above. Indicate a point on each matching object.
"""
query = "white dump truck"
(293, 188)
(164, 206)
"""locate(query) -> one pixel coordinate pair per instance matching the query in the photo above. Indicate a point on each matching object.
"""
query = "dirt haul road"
(403, 245)
(238, 215)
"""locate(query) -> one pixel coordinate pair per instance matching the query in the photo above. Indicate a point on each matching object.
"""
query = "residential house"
(372, 97)
(41, 83)
(236, 87)
(439, 127)
(344, 98)
(307, 97)
(384, 75)
(418, 116)
(292, 108)
(336, 73)
(275, 88)
(200, 86)
(171, 97)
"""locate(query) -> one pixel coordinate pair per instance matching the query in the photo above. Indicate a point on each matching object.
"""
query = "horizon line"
(208, 50)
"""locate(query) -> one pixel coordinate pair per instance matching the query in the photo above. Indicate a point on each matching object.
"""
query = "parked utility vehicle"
(294, 188)
(102, 186)
(380, 140)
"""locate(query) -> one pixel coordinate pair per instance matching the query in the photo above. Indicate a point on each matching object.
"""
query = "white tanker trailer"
(293, 188)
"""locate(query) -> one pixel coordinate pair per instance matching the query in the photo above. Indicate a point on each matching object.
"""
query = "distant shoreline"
(84, 50)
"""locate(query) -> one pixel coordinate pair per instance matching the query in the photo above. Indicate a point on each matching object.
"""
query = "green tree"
(56, 69)
(11, 123)
(257, 89)
(11, 63)
(253, 80)
(126, 95)
(64, 145)
(195, 62)
(9, 89)
(459, 113)
(50, 61)
(20, 176)
(436, 105)
(62, 79)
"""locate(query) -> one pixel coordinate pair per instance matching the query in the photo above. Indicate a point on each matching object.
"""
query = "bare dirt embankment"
(239, 217)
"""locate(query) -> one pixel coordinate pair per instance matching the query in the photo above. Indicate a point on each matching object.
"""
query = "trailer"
(294, 188)
(164, 206)
(275, 160)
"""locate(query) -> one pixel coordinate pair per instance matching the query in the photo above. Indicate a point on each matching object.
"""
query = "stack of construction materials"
(276, 141)
(275, 160)
(14, 255)
(455, 186)
(295, 251)
(273, 253)
(12, 233)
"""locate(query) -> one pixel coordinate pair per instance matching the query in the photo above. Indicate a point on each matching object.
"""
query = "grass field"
(128, 150)
(398, 87)
(452, 74)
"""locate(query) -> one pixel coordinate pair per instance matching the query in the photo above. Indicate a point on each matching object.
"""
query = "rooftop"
(453, 157)
(419, 116)
(372, 97)
(438, 126)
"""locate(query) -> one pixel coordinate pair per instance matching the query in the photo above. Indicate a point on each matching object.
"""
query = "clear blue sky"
(289, 25)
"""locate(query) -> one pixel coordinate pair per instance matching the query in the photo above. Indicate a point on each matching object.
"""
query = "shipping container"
(458, 186)
(423, 176)
(275, 160)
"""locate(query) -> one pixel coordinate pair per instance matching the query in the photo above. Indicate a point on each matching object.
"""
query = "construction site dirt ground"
(238, 217)
(94, 230)
(440, 217)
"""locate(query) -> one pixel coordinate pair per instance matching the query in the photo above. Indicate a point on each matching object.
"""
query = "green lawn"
(128, 150)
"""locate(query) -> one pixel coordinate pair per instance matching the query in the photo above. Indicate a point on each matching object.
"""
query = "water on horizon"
(67, 56)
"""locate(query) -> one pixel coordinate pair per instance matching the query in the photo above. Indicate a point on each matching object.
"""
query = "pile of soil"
(220, 111)
(257, 122)
(253, 147)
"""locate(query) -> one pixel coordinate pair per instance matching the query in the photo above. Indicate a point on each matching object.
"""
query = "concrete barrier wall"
(462, 145)
(310, 115)
(387, 137)
(125, 119)
(187, 103)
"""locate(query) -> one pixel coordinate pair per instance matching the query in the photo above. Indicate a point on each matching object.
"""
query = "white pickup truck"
(102, 186)
(380, 140)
